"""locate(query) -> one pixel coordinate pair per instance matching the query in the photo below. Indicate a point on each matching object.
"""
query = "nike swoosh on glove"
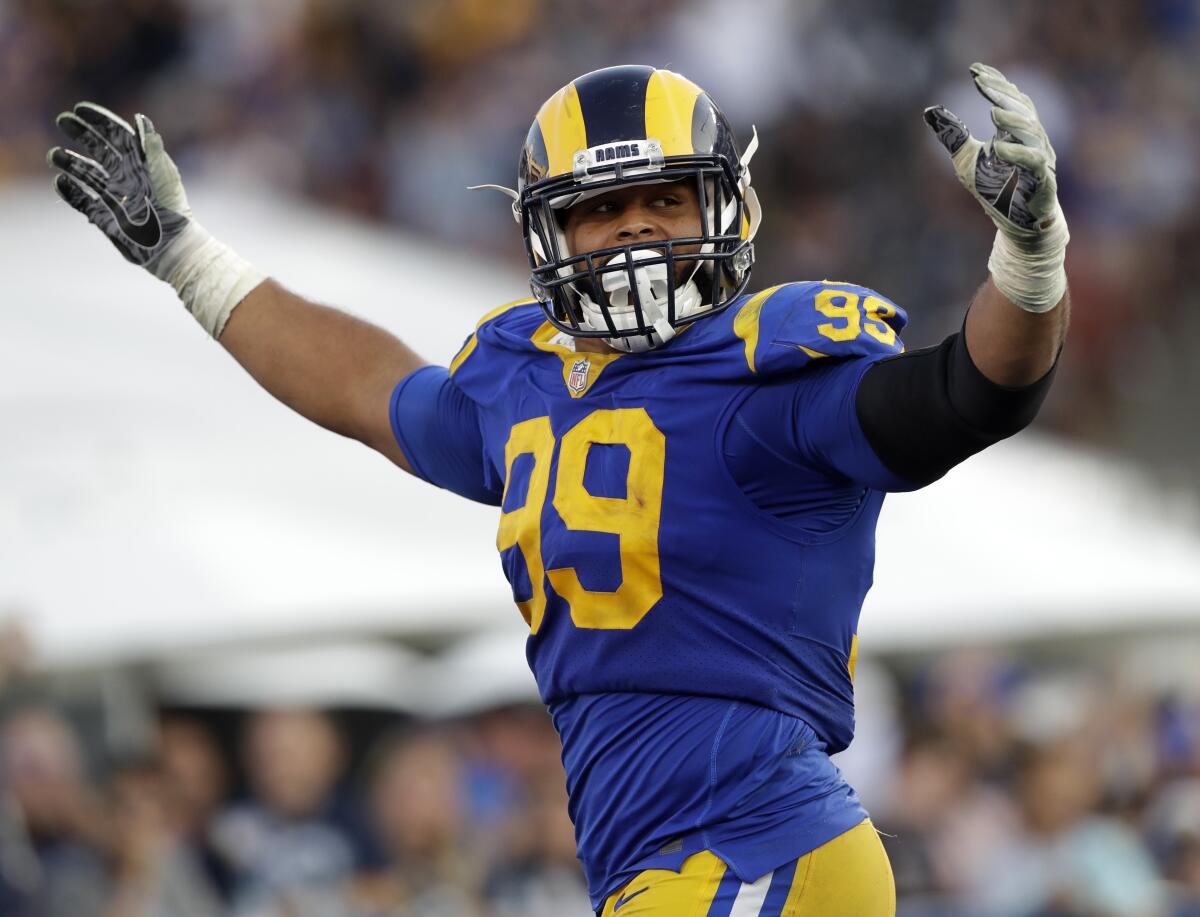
(123, 181)
(1012, 176)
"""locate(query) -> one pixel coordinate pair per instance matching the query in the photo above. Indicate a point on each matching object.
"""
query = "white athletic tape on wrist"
(209, 276)
(1030, 271)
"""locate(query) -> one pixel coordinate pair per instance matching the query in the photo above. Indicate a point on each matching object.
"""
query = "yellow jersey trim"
(745, 323)
(543, 339)
(469, 347)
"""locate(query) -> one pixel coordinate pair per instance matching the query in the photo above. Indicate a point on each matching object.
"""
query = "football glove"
(124, 182)
(1012, 177)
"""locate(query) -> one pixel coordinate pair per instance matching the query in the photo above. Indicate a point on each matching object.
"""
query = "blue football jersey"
(671, 615)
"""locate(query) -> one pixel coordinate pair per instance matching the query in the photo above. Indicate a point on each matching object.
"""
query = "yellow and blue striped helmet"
(622, 126)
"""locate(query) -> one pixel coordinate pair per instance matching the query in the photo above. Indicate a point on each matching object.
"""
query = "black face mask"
(720, 261)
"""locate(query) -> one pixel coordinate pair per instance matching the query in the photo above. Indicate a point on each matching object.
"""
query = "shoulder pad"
(785, 327)
(496, 349)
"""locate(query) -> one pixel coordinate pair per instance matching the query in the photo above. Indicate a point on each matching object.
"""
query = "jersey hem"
(832, 828)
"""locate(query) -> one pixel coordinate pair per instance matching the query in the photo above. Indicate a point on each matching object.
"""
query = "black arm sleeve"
(925, 411)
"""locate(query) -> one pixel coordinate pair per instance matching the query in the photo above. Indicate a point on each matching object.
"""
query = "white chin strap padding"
(651, 282)
(652, 285)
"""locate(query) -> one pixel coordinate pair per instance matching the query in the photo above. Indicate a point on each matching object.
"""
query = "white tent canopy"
(154, 500)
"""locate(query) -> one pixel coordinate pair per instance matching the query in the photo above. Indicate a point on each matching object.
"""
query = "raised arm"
(925, 411)
(1018, 320)
(331, 367)
(335, 369)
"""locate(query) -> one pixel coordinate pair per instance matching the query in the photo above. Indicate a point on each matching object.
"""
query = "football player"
(688, 476)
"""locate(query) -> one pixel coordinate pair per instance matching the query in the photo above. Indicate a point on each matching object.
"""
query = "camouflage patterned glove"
(124, 182)
(112, 184)
(1012, 177)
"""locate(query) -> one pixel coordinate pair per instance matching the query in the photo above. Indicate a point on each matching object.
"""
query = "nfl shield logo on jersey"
(578, 379)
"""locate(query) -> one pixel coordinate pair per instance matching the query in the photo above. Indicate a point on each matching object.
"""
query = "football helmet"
(623, 126)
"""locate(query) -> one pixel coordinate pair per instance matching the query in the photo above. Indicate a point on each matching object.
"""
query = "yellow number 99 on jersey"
(634, 518)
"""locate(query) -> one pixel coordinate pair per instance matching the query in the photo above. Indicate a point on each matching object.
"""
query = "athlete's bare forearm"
(333, 368)
(1009, 345)
(336, 370)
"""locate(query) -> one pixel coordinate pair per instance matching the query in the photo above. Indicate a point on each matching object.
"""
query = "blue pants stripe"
(781, 884)
(727, 893)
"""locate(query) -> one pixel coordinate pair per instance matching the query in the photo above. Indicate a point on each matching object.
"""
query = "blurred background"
(247, 669)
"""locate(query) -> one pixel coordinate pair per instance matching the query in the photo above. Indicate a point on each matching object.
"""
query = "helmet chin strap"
(652, 286)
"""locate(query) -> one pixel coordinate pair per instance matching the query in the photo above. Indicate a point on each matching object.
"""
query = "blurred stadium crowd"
(1053, 788)
(390, 110)
(447, 820)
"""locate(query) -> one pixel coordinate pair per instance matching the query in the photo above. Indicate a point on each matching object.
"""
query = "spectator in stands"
(1185, 870)
(1172, 827)
(52, 829)
(196, 785)
(296, 842)
(417, 805)
(537, 874)
(1065, 858)
(934, 775)
(155, 871)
